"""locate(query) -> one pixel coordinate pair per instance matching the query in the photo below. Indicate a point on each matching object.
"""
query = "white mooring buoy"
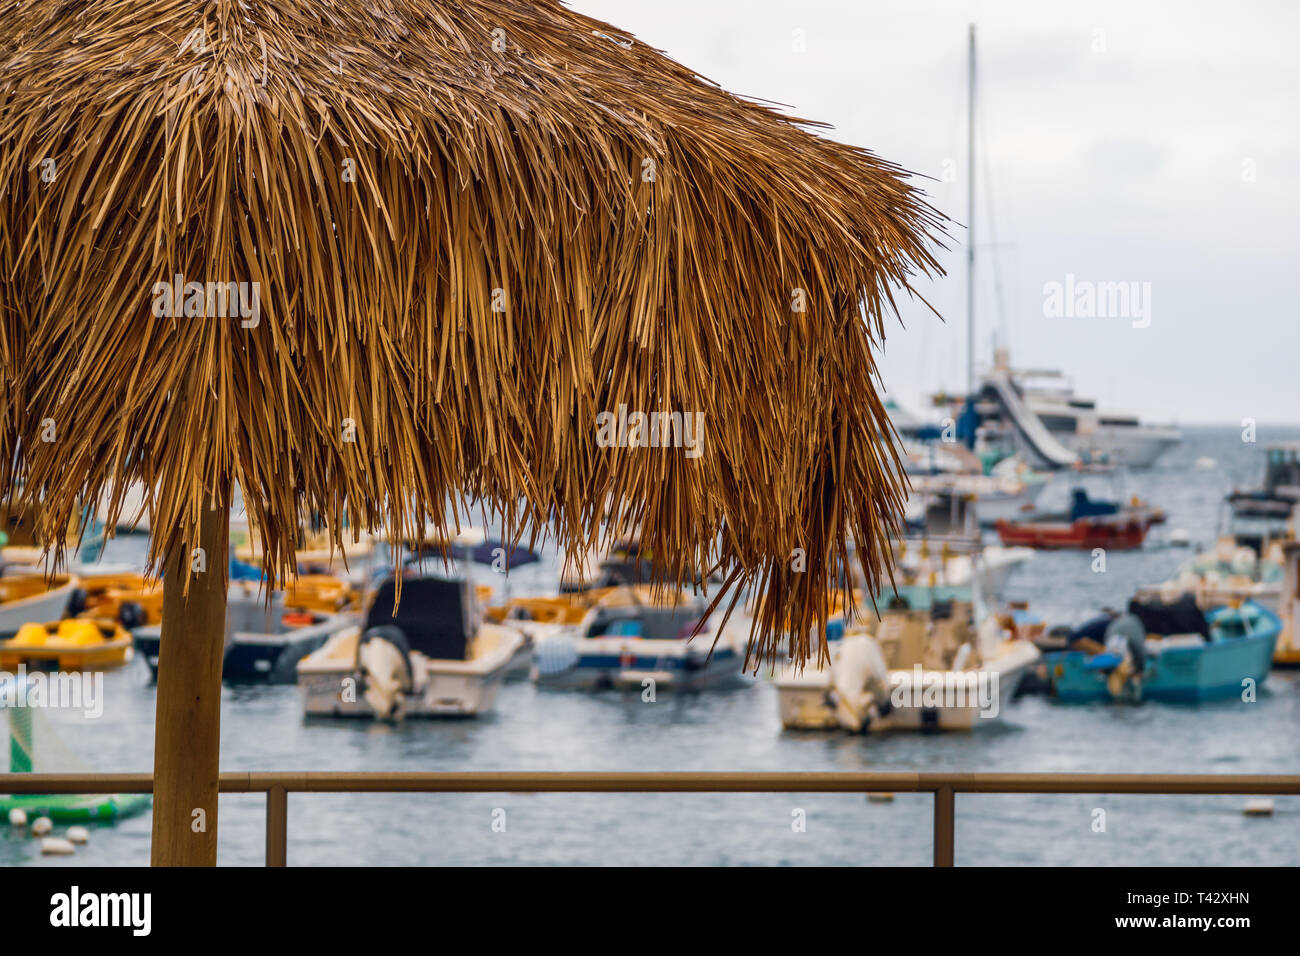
(18, 817)
(78, 834)
(57, 846)
(42, 826)
(1258, 808)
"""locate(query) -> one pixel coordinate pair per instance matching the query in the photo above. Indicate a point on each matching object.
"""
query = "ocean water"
(737, 729)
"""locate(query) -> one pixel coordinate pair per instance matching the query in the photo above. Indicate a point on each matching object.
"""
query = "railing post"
(945, 820)
(277, 826)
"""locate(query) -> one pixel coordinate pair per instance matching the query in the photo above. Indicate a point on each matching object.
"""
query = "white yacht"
(1096, 435)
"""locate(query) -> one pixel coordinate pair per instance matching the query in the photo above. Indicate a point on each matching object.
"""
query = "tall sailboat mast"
(970, 222)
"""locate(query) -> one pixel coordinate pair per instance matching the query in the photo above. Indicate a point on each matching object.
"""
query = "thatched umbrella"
(465, 230)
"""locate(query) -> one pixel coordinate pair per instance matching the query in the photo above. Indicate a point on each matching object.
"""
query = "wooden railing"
(944, 786)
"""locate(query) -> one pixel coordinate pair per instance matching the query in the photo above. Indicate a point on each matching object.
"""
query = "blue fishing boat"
(1170, 653)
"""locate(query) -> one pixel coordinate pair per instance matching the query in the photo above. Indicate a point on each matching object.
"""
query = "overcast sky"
(1123, 142)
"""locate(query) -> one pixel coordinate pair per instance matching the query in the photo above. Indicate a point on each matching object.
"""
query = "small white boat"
(27, 598)
(633, 635)
(996, 496)
(919, 563)
(1228, 574)
(915, 672)
(432, 657)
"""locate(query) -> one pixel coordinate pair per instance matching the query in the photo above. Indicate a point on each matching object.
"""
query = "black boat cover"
(434, 615)
(1180, 617)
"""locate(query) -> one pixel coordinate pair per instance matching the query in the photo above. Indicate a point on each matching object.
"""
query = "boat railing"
(945, 787)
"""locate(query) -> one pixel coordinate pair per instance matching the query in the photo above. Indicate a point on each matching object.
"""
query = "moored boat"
(1229, 574)
(264, 640)
(1170, 653)
(1087, 525)
(1276, 498)
(634, 634)
(32, 597)
(432, 656)
(927, 671)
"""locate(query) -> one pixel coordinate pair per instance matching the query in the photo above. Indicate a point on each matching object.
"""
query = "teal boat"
(1230, 653)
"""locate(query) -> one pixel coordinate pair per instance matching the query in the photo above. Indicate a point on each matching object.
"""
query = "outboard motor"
(861, 682)
(384, 660)
(1126, 640)
(131, 615)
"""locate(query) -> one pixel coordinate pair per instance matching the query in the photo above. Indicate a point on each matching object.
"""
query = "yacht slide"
(1035, 434)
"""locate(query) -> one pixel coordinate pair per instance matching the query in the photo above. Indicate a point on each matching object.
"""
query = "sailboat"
(1037, 412)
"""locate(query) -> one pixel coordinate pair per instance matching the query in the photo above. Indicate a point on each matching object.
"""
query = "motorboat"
(538, 614)
(128, 597)
(431, 655)
(950, 566)
(995, 497)
(1274, 501)
(634, 634)
(942, 556)
(1247, 563)
(265, 636)
(32, 597)
(1231, 572)
(1088, 524)
(1167, 652)
(913, 670)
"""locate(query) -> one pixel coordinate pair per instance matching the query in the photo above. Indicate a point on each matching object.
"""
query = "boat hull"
(105, 656)
(46, 606)
(332, 685)
(1135, 447)
(1216, 670)
(594, 663)
(250, 657)
(1083, 534)
(805, 700)
(327, 694)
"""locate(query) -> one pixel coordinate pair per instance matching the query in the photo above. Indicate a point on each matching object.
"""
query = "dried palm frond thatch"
(473, 226)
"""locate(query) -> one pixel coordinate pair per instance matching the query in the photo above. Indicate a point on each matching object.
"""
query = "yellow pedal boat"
(69, 645)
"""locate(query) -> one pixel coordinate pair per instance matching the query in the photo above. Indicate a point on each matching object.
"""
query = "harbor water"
(263, 729)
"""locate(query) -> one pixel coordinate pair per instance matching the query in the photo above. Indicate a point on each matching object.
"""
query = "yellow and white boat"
(32, 597)
(127, 598)
(322, 592)
(68, 645)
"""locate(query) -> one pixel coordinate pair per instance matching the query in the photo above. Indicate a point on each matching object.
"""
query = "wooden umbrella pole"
(187, 725)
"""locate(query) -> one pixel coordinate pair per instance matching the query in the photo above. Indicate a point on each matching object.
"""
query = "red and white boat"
(1088, 524)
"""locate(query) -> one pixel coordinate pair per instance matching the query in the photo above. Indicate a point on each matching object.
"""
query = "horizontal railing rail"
(945, 786)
